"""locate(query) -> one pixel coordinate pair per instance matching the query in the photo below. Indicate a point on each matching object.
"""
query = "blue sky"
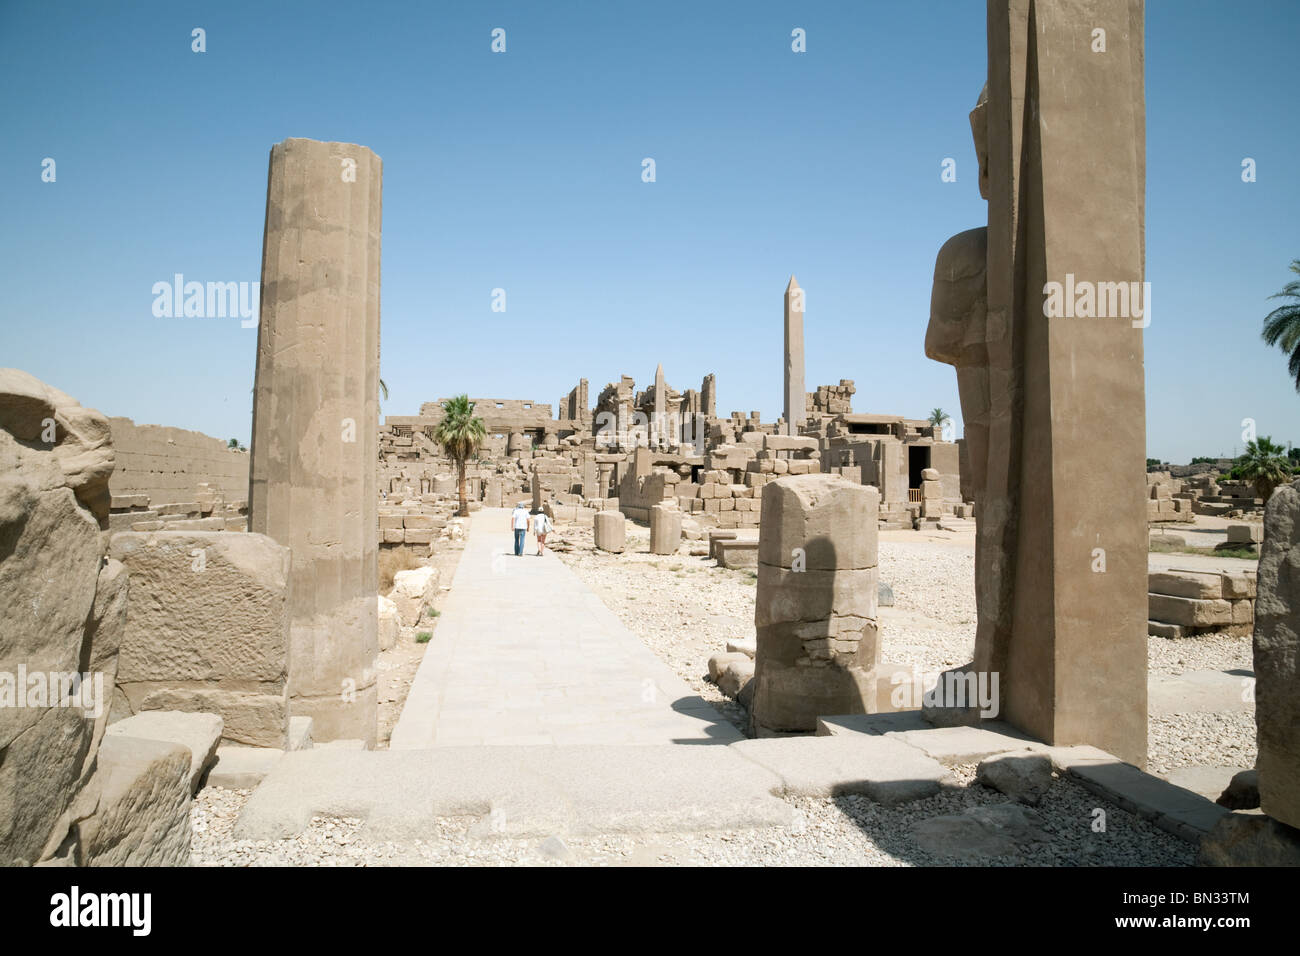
(522, 171)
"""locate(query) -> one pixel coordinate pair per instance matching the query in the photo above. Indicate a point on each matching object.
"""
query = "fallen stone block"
(242, 768)
(1188, 612)
(718, 663)
(412, 591)
(1025, 777)
(1187, 584)
(1242, 792)
(143, 816)
(735, 676)
(198, 733)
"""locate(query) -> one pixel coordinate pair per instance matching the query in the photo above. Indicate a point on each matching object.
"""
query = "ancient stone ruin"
(316, 629)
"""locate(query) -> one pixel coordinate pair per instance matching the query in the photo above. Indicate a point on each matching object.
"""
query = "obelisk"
(660, 424)
(314, 470)
(796, 403)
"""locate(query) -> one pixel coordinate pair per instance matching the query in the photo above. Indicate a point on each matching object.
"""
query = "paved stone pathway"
(525, 653)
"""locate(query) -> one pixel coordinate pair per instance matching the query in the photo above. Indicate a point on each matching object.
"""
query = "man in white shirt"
(519, 522)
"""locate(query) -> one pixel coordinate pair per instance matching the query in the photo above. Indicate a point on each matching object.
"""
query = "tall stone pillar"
(313, 472)
(796, 402)
(1061, 555)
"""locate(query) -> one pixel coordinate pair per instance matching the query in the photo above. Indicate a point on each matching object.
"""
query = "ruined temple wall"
(168, 464)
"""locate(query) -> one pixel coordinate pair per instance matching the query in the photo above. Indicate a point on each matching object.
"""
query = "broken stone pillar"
(535, 487)
(315, 418)
(610, 531)
(665, 529)
(1061, 552)
(1277, 658)
(796, 402)
(815, 610)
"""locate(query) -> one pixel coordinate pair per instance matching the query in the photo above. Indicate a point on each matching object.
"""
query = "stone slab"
(517, 791)
(243, 768)
(198, 733)
(883, 769)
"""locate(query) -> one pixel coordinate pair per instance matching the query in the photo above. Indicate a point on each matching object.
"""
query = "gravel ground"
(1201, 740)
(841, 831)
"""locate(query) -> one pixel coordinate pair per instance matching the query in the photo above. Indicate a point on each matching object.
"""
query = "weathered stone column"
(315, 415)
(815, 610)
(609, 531)
(796, 402)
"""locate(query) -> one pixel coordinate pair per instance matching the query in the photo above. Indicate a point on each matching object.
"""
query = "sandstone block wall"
(169, 464)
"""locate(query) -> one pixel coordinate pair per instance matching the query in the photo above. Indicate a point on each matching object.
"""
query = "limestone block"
(735, 676)
(198, 733)
(393, 536)
(1239, 584)
(1277, 658)
(824, 515)
(204, 606)
(665, 530)
(418, 522)
(1187, 584)
(1245, 533)
(390, 623)
(143, 816)
(610, 531)
(1189, 612)
(417, 536)
(1026, 777)
(412, 590)
(718, 663)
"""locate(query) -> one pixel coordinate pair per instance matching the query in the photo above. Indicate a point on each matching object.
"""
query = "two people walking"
(522, 522)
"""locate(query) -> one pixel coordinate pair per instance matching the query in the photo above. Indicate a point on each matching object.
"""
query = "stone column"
(314, 470)
(815, 610)
(796, 402)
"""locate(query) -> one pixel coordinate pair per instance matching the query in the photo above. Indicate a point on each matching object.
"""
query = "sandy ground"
(396, 666)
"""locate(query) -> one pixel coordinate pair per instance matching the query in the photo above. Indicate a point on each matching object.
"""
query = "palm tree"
(938, 417)
(461, 435)
(1265, 464)
(1282, 325)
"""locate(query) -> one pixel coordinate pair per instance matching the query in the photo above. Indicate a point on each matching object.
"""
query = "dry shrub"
(392, 560)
